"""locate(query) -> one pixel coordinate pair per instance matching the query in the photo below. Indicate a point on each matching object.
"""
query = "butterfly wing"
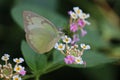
(41, 34)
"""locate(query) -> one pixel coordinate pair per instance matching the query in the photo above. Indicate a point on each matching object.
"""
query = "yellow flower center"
(5, 58)
(78, 11)
(16, 79)
(74, 16)
(66, 40)
(18, 68)
(78, 60)
(60, 46)
(75, 46)
(84, 47)
(17, 60)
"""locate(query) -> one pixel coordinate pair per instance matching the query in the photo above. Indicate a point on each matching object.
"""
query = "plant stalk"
(37, 77)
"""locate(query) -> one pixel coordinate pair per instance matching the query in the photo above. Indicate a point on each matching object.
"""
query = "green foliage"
(93, 38)
(17, 13)
(36, 62)
(39, 63)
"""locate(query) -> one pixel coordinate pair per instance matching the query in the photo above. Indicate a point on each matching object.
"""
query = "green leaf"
(115, 53)
(58, 57)
(36, 62)
(17, 14)
(94, 58)
(56, 63)
(52, 5)
(104, 72)
(109, 30)
(93, 38)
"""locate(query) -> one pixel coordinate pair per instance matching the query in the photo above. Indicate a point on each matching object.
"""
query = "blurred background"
(105, 20)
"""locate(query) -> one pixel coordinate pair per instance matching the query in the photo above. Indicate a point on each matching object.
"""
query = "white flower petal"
(16, 77)
(5, 57)
(56, 46)
(84, 16)
(14, 59)
(21, 59)
(77, 10)
(87, 15)
(82, 45)
(67, 39)
(87, 46)
(88, 23)
(79, 60)
(73, 15)
(18, 68)
(61, 46)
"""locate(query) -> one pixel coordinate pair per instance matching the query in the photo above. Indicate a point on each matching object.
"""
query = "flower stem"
(6, 63)
(70, 21)
(82, 52)
(37, 77)
(28, 76)
(62, 52)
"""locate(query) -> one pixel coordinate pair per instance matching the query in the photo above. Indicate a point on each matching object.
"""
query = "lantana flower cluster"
(78, 22)
(69, 47)
(73, 55)
(8, 72)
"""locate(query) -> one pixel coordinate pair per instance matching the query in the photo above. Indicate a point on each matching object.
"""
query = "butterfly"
(41, 34)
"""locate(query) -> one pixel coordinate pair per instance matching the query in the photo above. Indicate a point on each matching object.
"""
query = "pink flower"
(69, 12)
(83, 32)
(73, 27)
(75, 39)
(69, 59)
(81, 23)
(22, 72)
